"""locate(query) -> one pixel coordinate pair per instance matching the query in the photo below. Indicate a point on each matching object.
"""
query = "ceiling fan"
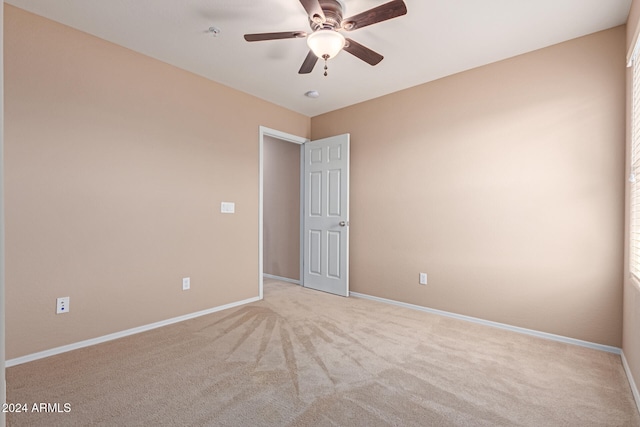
(325, 41)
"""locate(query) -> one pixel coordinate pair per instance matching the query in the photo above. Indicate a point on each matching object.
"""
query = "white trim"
(261, 214)
(121, 334)
(632, 54)
(265, 131)
(545, 335)
(282, 279)
(632, 383)
(303, 187)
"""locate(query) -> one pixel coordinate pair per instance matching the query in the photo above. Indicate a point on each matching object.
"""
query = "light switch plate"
(227, 207)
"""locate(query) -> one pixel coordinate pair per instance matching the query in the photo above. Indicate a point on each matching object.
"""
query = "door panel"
(333, 259)
(333, 198)
(315, 249)
(326, 216)
(315, 194)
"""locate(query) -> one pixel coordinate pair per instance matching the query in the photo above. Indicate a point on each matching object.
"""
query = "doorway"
(278, 264)
(323, 212)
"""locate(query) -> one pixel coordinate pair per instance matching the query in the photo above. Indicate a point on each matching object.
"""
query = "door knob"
(343, 223)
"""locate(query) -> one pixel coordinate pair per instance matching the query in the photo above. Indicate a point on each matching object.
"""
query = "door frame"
(265, 131)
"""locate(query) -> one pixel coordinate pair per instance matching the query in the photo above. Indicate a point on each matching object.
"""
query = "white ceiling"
(435, 39)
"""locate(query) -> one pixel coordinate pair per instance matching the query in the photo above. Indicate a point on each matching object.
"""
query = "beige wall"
(281, 208)
(504, 183)
(631, 310)
(116, 165)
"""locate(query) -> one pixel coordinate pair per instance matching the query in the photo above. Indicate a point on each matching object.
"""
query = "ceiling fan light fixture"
(326, 43)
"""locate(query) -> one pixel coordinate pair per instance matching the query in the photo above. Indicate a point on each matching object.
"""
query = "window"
(634, 259)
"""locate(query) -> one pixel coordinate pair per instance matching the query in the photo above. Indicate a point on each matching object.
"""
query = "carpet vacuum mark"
(304, 358)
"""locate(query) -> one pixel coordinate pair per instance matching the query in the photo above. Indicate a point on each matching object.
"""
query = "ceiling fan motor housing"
(333, 13)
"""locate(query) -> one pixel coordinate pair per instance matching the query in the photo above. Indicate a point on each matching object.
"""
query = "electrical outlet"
(423, 278)
(62, 305)
(186, 283)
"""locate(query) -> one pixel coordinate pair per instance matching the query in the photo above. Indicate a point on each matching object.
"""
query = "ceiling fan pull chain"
(325, 57)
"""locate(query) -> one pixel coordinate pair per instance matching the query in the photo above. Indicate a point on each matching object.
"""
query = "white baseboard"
(282, 279)
(121, 334)
(632, 383)
(545, 335)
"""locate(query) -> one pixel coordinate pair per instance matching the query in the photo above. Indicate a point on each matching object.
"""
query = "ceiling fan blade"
(274, 36)
(362, 52)
(309, 63)
(387, 11)
(314, 10)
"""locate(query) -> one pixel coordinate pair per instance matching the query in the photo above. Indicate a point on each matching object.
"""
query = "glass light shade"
(325, 42)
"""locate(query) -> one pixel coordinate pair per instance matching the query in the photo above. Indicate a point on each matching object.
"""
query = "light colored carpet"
(304, 358)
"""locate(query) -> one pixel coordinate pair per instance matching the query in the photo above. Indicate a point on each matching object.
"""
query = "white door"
(326, 215)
